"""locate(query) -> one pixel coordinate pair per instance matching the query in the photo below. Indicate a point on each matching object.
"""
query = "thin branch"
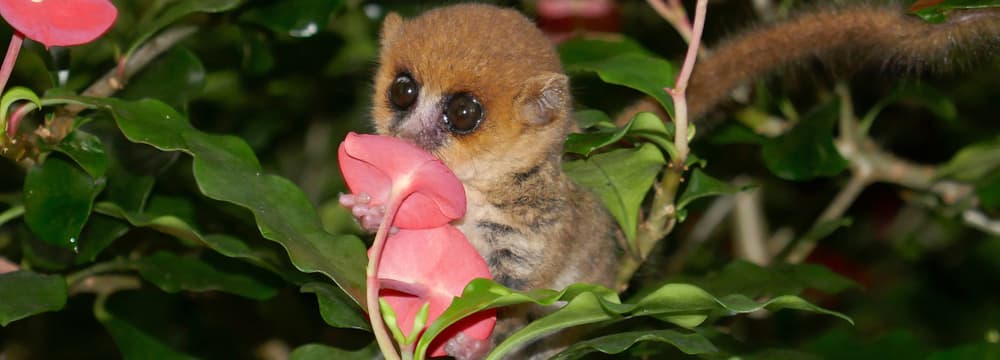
(115, 79)
(679, 91)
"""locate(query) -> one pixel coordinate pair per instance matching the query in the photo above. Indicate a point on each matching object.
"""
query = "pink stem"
(372, 283)
(8, 67)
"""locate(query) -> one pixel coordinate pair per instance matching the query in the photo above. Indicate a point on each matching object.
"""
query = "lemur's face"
(453, 81)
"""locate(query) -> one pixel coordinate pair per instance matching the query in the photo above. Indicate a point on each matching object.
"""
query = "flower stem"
(7, 68)
(372, 283)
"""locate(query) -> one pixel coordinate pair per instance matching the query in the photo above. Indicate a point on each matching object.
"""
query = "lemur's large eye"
(463, 113)
(403, 91)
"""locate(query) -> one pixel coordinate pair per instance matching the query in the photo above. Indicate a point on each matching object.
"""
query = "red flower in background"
(427, 260)
(59, 22)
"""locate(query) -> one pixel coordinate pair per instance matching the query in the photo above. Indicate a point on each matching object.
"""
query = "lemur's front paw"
(463, 347)
(370, 217)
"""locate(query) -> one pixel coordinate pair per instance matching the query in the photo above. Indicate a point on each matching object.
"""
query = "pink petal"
(59, 22)
(373, 164)
(439, 262)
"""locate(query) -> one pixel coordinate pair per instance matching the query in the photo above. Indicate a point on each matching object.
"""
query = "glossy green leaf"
(297, 18)
(921, 94)
(581, 310)
(644, 125)
(224, 244)
(26, 293)
(323, 352)
(700, 185)
(973, 162)
(58, 197)
(135, 344)
(173, 273)
(336, 308)
(682, 304)
(646, 73)
(585, 50)
(127, 192)
(589, 118)
(621, 178)
(282, 212)
(86, 150)
(807, 151)
(11, 96)
(483, 294)
(173, 78)
(175, 11)
(688, 343)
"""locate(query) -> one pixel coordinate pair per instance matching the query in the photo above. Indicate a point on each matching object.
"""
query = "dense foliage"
(172, 193)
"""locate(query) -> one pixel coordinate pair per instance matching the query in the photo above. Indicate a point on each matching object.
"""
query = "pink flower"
(427, 261)
(421, 266)
(59, 22)
(380, 165)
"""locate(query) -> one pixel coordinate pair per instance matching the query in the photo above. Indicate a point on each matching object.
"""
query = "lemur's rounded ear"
(544, 98)
(390, 28)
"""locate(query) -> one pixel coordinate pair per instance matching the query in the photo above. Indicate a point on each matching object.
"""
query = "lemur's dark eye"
(403, 91)
(463, 113)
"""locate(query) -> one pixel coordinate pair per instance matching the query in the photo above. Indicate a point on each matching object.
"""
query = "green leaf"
(700, 185)
(86, 150)
(175, 11)
(226, 169)
(25, 293)
(58, 197)
(621, 179)
(585, 50)
(590, 118)
(173, 273)
(644, 125)
(173, 78)
(646, 73)
(973, 162)
(297, 18)
(224, 244)
(323, 352)
(15, 94)
(135, 344)
(682, 304)
(688, 343)
(921, 94)
(336, 308)
(581, 310)
(937, 13)
(483, 294)
(807, 151)
(125, 190)
(743, 277)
